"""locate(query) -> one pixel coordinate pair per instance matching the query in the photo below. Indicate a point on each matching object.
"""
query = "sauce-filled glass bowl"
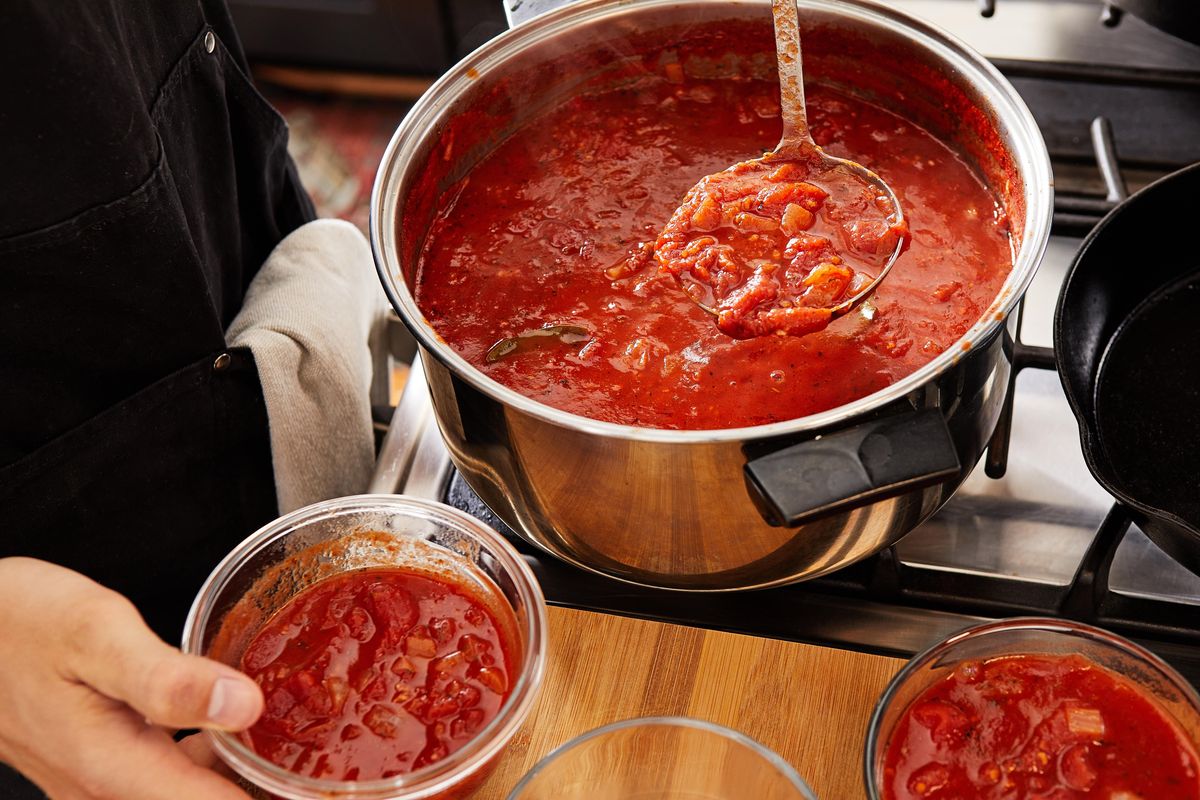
(332, 540)
(1041, 646)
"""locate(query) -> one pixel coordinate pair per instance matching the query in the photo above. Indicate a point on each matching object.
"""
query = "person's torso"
(146, 181)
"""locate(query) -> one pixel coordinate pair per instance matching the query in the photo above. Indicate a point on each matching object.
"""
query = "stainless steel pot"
(738, 508)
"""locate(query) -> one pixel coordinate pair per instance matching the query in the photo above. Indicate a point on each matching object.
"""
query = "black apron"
(143, 181)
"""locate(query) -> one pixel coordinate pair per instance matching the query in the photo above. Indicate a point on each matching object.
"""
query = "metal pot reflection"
(722, 509)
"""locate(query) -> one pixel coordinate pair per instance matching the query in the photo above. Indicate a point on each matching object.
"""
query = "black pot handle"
(853, 467)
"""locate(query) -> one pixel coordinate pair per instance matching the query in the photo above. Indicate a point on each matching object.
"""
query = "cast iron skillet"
(1178, 17)
(1127, 342)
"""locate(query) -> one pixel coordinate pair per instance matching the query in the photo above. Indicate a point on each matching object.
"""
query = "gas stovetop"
(1042, 537)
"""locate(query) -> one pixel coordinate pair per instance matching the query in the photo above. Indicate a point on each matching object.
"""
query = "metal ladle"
(797, 142)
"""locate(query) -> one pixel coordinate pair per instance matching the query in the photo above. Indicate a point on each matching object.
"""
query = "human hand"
(89, 695)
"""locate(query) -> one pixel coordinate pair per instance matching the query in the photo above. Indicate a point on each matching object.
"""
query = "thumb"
(122, 658)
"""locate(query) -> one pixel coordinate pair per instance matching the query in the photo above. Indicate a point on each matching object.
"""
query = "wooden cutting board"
(809, 704)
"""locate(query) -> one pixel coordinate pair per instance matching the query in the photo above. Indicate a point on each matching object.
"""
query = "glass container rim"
(434, 778)
(770, 756)
(1048, 624)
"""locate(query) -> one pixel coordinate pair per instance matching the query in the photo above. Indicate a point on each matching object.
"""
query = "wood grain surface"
(809, 704)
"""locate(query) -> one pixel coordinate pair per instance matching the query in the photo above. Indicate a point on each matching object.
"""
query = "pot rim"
(1029, 150)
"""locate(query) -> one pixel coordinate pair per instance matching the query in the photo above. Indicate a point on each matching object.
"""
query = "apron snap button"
(222, 362)
(210, 42)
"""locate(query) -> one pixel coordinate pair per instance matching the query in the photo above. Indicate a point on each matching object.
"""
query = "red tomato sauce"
(1052, 728)
(375, 673)
(771, 245)
(557, 226)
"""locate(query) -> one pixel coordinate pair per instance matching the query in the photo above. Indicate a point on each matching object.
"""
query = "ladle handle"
(791, 74)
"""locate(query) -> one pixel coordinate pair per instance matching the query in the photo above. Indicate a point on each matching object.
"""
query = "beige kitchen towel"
(307, 317)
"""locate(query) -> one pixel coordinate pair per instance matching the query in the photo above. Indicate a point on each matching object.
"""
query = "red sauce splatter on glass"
(1054, 728)
(557, 226)
(375, 673)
